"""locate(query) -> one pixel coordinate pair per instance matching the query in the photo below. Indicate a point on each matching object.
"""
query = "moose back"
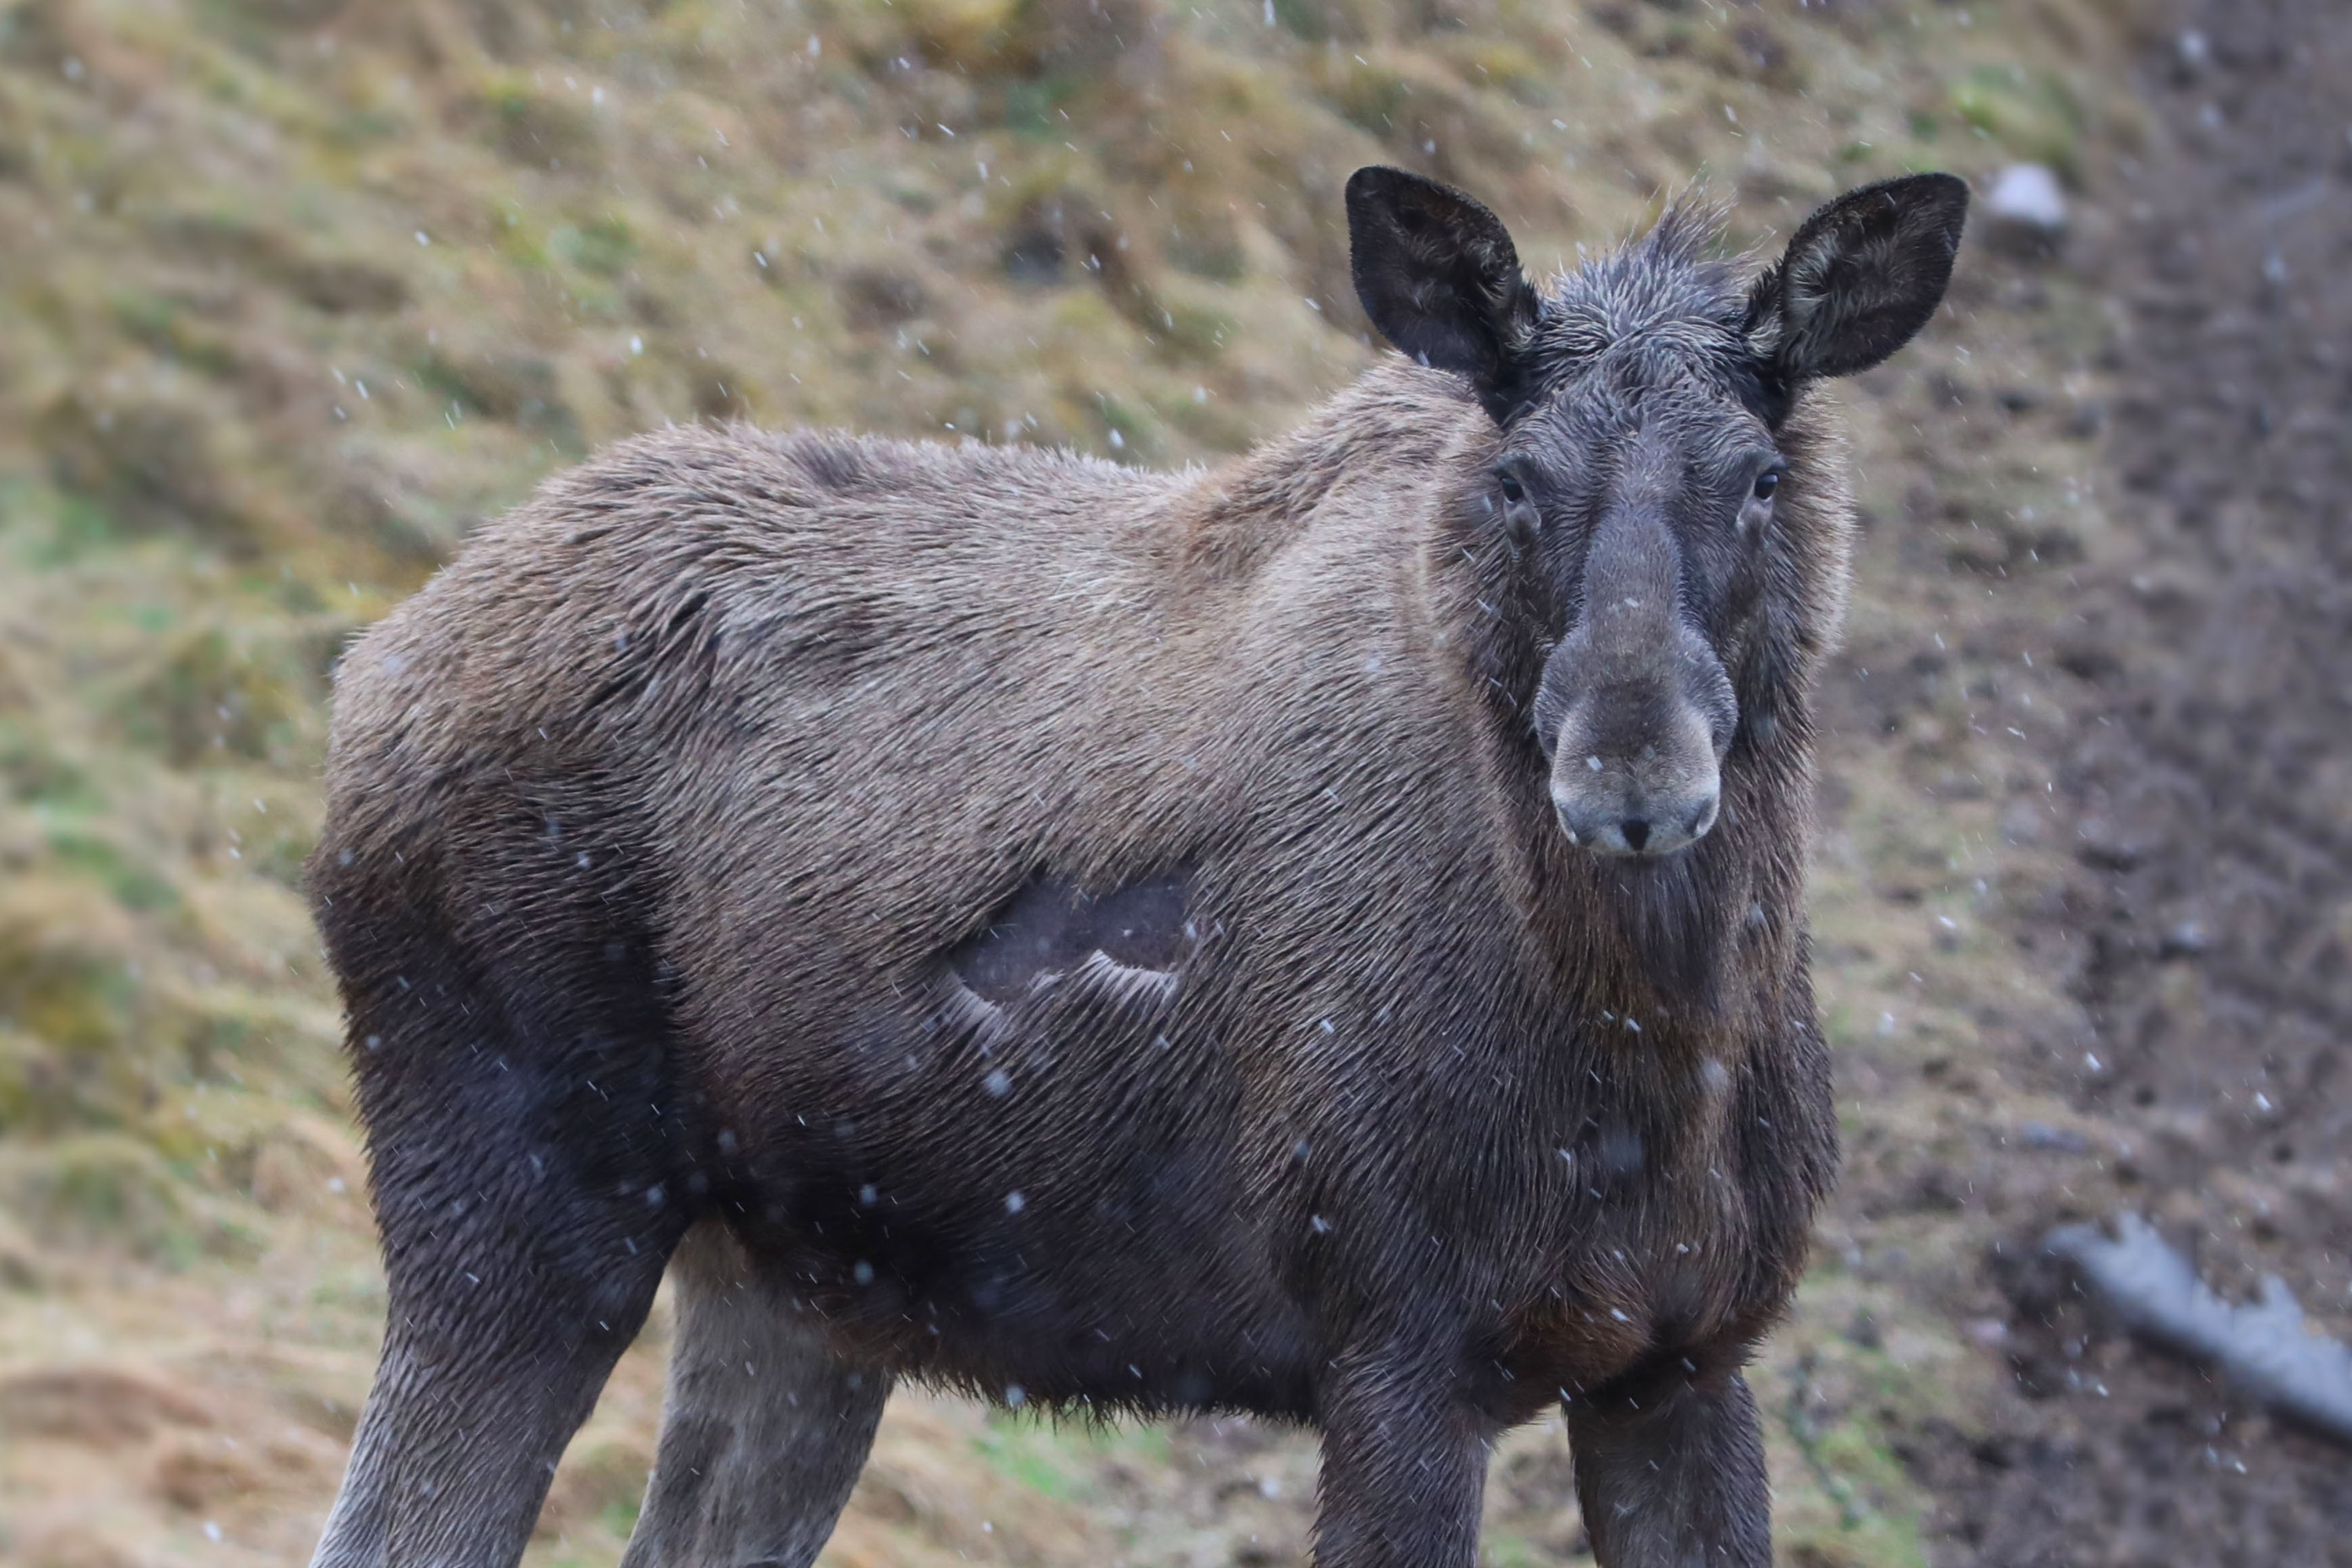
(1321, 936)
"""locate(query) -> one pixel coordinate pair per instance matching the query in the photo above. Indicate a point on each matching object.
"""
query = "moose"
(1321, 936)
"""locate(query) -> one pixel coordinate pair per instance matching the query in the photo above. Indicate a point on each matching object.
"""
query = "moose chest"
(1671, 1229)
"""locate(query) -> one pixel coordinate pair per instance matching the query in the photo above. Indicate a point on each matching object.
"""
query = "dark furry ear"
(1438, 277)
(1859, 279)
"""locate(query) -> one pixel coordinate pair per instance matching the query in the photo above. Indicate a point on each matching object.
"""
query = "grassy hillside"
(296, 290)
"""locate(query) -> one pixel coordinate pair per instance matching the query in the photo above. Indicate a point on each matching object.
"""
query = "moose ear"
(1860, 278)
(1438, 277)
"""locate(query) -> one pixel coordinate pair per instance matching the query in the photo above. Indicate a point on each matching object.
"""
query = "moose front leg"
(1670, 1468)
(1405, 1465)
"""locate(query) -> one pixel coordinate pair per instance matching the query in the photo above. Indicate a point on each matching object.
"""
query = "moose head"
(1640, 478)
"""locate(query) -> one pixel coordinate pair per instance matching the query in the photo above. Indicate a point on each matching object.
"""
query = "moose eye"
(1519, 518)
(1766, 483)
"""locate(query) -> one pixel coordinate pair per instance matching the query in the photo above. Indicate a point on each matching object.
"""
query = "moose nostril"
(1636, 832)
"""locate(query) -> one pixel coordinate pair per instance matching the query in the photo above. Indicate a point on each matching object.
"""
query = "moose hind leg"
(763, 1431)
(504, 1322)
(470, 1412)
(525, 1223)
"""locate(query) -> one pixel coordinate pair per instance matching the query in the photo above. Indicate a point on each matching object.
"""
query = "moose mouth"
(1638, 832)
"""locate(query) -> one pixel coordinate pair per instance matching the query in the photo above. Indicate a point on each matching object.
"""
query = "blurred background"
(293, 292)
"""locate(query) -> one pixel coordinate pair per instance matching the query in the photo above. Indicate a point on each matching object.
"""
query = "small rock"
(2185, 940)
(2051, 1140)
(2026, 213)
(2263, 1349)
(2104, 846)
(1990, 1332)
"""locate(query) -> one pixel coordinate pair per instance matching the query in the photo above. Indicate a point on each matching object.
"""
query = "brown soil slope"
(2206, 794)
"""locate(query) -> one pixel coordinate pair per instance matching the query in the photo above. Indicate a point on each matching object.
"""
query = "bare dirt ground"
(2198, 909)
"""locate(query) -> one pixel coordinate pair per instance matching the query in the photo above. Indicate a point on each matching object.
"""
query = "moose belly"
(1132, 1287)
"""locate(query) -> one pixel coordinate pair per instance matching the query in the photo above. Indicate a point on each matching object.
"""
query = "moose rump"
(1153, 942)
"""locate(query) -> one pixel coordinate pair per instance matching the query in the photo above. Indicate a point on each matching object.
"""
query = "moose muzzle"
(1635, 771)
(1635, 709)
